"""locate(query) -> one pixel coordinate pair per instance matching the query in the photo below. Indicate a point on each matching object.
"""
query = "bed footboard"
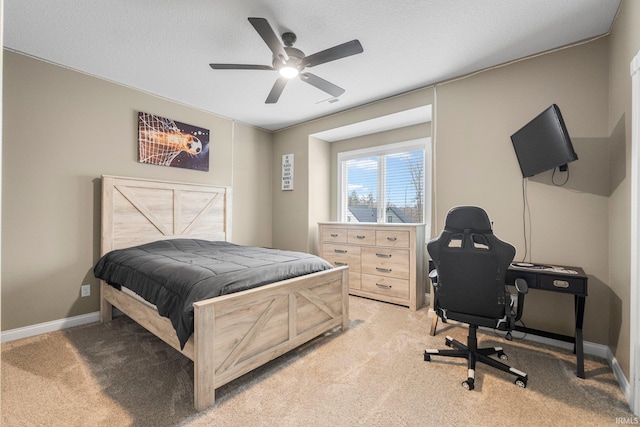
(236, 333)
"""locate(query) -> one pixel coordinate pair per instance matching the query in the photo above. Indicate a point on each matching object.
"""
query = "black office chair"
(469, 282)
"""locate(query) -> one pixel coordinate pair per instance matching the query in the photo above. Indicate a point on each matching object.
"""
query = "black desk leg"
(578, 348)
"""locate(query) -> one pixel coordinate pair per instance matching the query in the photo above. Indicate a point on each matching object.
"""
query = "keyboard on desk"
(542, 267)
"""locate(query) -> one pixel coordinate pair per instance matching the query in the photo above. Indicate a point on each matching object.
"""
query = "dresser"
(386, 261)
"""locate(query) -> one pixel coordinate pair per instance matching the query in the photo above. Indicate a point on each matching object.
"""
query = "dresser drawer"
(338, 235)
(386, 262)
(572, 285)
(389, 286)
(362, 237)
(339, 255)
(396, 239)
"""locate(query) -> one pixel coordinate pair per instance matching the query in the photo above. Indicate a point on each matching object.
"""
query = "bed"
(234, 333)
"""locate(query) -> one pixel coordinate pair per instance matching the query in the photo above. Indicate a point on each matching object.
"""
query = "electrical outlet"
(85, 290)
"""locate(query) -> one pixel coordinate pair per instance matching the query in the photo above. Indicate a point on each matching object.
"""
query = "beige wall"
(624, 44)
(252, 174)
(319, 191)
(61, 131)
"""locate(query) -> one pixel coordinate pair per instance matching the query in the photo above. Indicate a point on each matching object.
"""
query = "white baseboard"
(594, 349)
(622, 380)
(54, 325)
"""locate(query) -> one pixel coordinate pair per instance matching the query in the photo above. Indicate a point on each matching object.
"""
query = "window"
(385, 183)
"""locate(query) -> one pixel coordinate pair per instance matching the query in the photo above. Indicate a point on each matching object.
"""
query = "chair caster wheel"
(468, 384)
(521, 382)
(427, 357)
(502, 355)
(447, 342)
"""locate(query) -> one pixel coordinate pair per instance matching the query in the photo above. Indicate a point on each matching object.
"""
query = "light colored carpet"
(117, 374)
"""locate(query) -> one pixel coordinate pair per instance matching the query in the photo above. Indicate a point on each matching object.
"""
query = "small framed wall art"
(287, 172)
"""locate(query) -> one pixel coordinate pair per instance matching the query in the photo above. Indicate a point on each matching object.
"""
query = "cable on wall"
(526, 213)
(553, 175)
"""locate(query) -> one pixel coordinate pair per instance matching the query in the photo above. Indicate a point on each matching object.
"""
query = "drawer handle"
(340, 251)
(360, 237)
(560, 283)
(383, 255)
(334, 234)
(383, 270)
(380, 285)
(392, 239)
(340, 264)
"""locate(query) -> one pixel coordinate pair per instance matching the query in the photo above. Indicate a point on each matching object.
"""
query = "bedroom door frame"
(634, 328)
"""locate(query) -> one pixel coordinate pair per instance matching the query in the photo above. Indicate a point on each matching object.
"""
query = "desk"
(553, 281)
(557, 281)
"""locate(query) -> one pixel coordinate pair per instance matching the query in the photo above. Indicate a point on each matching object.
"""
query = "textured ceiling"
(163, 47)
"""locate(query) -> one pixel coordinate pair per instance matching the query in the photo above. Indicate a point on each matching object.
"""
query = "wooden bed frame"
(234, 333)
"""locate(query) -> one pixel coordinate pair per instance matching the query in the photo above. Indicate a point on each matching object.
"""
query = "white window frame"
(412, 145)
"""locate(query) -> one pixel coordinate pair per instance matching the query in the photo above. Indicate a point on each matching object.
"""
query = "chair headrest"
(468, 218)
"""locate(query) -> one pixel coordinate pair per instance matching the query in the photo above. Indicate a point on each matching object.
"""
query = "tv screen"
(543, 143)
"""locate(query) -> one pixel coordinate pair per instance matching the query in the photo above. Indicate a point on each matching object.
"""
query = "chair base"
(473, 354)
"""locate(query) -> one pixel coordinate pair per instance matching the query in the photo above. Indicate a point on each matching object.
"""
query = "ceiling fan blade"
(240, 67)
(341, 51)
(322, 84)
(269, 36)
(276, 90)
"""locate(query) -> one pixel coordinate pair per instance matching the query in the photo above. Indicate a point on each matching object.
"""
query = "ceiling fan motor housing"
(295, 58)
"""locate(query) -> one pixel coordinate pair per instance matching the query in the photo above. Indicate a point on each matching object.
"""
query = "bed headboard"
(137, 211)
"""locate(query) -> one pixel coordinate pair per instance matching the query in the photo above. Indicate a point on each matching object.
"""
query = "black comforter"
(172, 274)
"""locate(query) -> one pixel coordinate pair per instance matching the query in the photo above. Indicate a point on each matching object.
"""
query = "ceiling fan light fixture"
(290, 62)
(289, 71)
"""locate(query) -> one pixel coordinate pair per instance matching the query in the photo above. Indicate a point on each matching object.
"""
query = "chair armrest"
(523, 288)
(433, 275)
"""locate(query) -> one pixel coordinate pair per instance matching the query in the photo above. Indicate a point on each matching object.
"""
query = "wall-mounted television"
(543, 143)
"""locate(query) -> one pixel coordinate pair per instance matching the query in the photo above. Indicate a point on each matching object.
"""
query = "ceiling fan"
(290, 62)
